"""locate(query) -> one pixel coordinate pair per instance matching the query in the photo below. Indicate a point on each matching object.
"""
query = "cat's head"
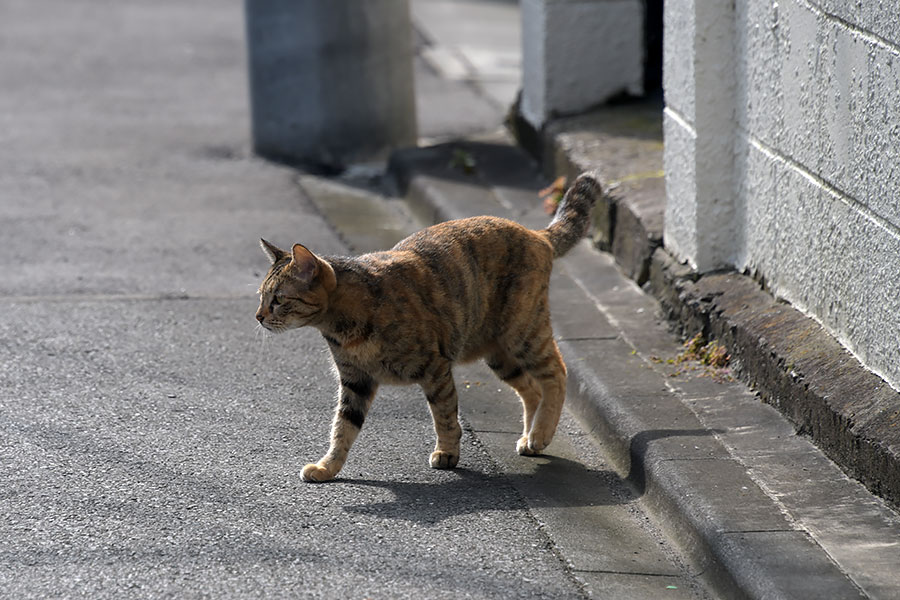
(295, 291)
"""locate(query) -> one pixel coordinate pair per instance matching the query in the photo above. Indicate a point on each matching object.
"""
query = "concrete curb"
(703, 497)
(746, 548)
(792, 362)
(795, 365)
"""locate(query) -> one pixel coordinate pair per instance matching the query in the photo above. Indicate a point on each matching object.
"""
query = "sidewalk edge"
(791, 360)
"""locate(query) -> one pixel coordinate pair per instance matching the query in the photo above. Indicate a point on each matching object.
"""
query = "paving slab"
(467, 66)
(625, 143)
(151, 437)
(622, 143)
(477, 43)
(787, 564)
(800, 481)
(364, 219)
(483, 175)
(797, 366)
(786, 355)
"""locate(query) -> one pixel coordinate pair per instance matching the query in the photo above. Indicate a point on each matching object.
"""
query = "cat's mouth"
(273, 327)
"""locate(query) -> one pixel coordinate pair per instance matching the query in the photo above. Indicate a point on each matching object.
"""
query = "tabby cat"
(453, 292)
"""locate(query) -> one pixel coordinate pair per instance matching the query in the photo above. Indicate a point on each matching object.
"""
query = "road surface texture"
(151, 437)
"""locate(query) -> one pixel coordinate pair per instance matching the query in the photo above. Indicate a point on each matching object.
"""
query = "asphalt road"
(153, 447)
(151, 438)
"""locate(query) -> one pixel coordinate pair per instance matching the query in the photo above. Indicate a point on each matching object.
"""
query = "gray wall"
(786, 163)
(331, 83)
(577, 54)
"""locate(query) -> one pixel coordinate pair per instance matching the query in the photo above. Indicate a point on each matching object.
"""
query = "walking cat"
(454, 292)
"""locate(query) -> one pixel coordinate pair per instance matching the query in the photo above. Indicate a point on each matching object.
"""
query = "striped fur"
(454, 292)
(572, 217)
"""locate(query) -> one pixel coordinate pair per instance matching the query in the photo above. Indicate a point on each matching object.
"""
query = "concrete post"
(331, 82)
(699, 131)
(577, 54)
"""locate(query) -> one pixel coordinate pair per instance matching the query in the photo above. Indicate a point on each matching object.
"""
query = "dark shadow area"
(309, 166)
(471, 492)
(653, 46)
(555, 482)
(640, 445)
(484, 165)
(477, 163)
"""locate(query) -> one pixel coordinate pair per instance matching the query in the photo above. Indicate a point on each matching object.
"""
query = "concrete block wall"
(576, 54)
(814, 159)
(698, 56)
(331, 83)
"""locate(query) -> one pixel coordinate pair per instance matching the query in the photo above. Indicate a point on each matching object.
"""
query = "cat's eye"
(276, 301)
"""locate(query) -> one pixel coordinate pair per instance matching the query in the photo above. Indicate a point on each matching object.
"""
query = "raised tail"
(573, 215)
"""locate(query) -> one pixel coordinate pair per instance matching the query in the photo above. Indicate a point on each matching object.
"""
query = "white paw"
(443, 460)
(313, 473)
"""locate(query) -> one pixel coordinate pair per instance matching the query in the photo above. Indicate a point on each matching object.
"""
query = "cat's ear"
(273, 252)
(304, 263)
(306, 267)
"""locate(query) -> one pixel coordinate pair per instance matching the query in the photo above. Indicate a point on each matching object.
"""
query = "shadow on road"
(552, 482)
(475, 492)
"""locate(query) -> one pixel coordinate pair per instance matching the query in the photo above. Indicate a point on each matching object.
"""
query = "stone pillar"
(577, 54)
(331, 82)
(699, 132)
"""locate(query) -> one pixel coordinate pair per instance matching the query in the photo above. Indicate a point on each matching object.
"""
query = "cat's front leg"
(440, 391)
(356, 394)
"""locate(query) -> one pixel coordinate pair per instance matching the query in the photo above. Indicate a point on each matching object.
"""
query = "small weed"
(715, 356)
(711, 358)
(463, 161)
(553, 194)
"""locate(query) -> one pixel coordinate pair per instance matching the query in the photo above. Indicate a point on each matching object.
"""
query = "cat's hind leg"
(542, 360)
(512, 373)
(356, 394)
(440, 391)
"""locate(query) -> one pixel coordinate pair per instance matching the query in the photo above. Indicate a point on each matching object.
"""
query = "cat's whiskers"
(262, 334)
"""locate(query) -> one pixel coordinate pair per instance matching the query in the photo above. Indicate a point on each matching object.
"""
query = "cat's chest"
(362, 353)
(384, 362)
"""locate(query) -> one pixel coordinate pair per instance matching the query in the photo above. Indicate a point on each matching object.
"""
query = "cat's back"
(475, 259)
(480, 237)
(449, 290)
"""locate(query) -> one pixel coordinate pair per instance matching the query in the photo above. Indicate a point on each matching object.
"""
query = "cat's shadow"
(554, 482)
(465, 491)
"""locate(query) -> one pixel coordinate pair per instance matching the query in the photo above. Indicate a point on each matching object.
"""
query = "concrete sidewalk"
(467, 65)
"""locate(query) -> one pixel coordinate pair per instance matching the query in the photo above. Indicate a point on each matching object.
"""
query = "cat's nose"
(260, 318)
